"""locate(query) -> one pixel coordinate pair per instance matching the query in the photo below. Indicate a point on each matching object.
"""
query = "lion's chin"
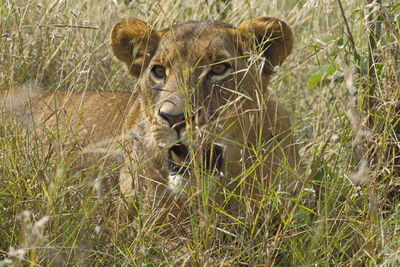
(177, 183)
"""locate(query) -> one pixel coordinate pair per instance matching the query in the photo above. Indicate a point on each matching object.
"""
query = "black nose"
(172, 119)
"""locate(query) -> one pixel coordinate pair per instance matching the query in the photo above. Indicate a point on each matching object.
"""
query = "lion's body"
(83, 128)
(88, 116)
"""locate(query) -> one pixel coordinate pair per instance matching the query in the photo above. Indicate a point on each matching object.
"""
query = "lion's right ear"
(272, 36)
(133, 41)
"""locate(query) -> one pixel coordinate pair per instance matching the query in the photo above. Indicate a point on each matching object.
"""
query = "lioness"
(203, 118)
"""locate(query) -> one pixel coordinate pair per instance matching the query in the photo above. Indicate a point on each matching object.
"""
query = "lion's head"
(203, 93)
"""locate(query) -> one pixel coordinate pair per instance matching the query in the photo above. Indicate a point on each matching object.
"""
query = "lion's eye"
(220, 69)
(158, 72)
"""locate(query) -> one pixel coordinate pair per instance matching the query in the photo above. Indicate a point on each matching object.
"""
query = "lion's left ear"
(272, 35)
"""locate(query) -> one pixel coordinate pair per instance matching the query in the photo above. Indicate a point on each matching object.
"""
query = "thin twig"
(353, 46)
(374, 26)
(72, 26)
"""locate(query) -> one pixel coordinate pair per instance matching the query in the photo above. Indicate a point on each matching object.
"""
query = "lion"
(203, 118)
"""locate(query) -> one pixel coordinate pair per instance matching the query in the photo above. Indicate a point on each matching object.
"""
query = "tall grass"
(341, 84)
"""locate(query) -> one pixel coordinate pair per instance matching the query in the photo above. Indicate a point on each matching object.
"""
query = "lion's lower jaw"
(180, 186)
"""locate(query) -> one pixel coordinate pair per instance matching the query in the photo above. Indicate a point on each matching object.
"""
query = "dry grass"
(344, 94)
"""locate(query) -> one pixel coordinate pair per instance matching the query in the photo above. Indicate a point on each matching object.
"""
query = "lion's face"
(201, 82)
(188, 83)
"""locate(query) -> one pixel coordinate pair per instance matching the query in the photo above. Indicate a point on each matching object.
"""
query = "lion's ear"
(273, 36)
(133, 41)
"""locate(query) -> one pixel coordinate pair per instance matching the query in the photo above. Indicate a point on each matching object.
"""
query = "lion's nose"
(172, 119)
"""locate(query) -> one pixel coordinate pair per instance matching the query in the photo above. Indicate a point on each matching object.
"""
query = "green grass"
(346, 115)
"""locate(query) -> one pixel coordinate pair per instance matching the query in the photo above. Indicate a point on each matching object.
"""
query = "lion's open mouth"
(179, 159)
(178, 155)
